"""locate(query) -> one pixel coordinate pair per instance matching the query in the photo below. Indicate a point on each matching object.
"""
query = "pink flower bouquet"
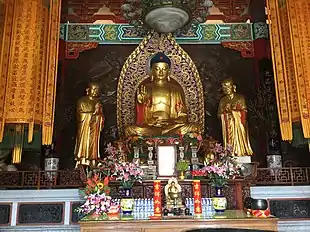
(128, 173)
(98, 204)
(107, 165)
(221, 166)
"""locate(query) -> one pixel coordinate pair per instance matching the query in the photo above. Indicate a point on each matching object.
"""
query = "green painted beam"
(127, 34)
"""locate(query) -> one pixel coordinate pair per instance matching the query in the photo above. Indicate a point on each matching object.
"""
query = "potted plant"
(182, 167)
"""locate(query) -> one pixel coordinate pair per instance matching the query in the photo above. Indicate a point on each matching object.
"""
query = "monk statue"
(160, 105)
(233, 114)
(90, 121)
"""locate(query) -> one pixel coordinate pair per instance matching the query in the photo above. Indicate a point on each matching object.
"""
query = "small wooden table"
(231, 219)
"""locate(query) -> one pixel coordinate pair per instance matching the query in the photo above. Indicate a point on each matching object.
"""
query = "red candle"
(197, 198)
(157, 198)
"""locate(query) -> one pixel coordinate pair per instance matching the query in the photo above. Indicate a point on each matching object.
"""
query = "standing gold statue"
(90, 121)
(160, 108)
(233, 112)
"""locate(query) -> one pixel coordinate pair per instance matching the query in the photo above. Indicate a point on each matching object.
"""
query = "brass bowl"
(173, 196)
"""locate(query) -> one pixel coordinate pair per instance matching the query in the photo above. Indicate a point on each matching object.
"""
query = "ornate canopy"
(136, 70)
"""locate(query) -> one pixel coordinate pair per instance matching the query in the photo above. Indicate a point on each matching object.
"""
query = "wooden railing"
(283, 176)
(76, 178)
(41, 179)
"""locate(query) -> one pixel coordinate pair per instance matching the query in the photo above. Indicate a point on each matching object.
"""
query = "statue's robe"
(232, 113)
(90, 123)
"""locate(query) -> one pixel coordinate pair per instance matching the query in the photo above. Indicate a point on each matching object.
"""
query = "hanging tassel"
(17, 154)
(30, 132)
(18, 144)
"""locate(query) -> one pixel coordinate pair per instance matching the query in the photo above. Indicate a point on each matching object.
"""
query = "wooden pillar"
(239, 200)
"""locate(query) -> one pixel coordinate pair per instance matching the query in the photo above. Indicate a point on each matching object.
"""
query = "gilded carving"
(246, 48)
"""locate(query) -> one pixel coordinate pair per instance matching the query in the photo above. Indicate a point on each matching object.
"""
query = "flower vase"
(127, 202)
(219, 200)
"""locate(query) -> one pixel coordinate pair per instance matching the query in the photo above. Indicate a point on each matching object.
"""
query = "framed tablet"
(166, 160)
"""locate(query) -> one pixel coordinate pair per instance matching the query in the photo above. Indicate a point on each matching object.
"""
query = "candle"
(197, 198)
(157, 198)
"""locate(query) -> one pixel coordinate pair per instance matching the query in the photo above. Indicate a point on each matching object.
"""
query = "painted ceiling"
(90, 11)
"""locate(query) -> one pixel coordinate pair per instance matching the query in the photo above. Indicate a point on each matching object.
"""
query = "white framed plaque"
(166, 160)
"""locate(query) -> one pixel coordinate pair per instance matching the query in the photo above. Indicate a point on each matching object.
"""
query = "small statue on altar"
(160, 104)
(207, 147)
(121, 150)
(173, 194)
(90, 120)
(232, 112)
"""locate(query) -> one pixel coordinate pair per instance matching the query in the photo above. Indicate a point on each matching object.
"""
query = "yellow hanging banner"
(285, 36)
(290, 42)
(280, 70)
(299, 23)
(51, 71)
(29, 38)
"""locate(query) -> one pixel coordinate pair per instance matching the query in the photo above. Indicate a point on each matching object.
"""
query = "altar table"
(231, 219)
(235, 193)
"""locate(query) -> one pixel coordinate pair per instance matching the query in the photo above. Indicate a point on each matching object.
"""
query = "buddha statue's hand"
(155, 121)
(141, 94)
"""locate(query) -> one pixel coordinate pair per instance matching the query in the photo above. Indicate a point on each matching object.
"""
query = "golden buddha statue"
(233, 114)
(173, 194)
(90, 121)
(160, 105)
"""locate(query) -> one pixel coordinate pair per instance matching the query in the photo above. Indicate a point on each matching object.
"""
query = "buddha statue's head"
(93, 90)
(160, 68)
(228, 86)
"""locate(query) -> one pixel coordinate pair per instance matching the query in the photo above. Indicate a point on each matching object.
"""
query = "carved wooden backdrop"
(103, 65)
